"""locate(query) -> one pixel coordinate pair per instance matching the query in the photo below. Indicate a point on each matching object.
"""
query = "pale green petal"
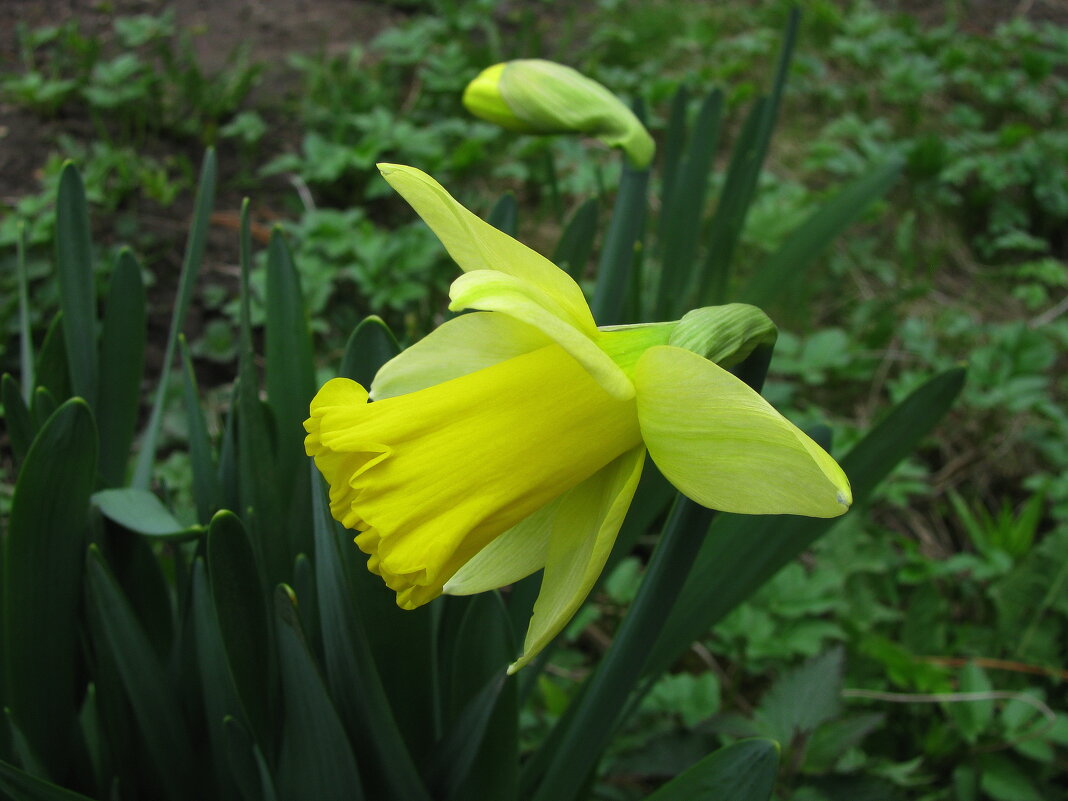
(490, 290)
(584, 529)
(725, 447)
(459, 346)
(477, 245)
(514, 555)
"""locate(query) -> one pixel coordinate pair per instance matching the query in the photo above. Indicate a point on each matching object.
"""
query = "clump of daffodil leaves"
(511, 439)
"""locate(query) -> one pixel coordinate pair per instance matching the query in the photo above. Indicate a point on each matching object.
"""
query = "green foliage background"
(956, 579)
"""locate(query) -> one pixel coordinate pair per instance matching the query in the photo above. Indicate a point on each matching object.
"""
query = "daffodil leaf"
(683, 206)
(481, 745)
(477, 245)
(43, 554)
(584, 529)
(241, 612)
(151, 694)
(52, 373)
(220, 694)
(141, 511)
(247, 764)
(194, 255)
(20, 429)
(744, 771)
(207, 491)
(370, 345)
(19, 784)
(725, 447)
(576, 242)
(460, 346)
(122, 367)
(315, 759)
(493, 291)
(773, 277)
(504, 216)
(514, 555)
(77, 292)
(620, 248)
(351, 673)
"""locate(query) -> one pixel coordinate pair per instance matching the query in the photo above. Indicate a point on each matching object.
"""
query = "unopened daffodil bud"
(541, 97)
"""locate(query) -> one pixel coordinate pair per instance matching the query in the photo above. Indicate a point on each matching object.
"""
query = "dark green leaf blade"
(20, 428)
(504, 216)
(681, 231)
(351, 673)
(42, 580)
(151, 695)
(242, 614)
(573, 251)
(743, 173)
(370, 346)
(620, 246)
(220, 695)
(779, 271)
(485, 706)
(122, 367)
(194, 255)
(315, 759)
(290, 374)
(22, 786)
(141, 511)
(77, 292)
(290, 380)
(744, 771)
(207, 492)
(52, 371)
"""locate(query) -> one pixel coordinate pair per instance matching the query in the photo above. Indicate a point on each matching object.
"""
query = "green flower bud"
(542, 97)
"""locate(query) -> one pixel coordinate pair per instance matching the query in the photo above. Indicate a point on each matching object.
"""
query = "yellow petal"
(432, 477)
(584, 530)
(725, 447)
(494, 291)
(477, 245)
(459, 346)
(514, 555)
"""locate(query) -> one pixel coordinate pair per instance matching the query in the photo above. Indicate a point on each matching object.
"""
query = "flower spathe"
(512, 439)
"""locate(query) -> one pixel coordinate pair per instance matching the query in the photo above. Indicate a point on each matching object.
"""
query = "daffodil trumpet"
(511, 439)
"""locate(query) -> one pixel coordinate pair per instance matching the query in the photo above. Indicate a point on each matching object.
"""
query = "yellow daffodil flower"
(542, 97)
(511, 439)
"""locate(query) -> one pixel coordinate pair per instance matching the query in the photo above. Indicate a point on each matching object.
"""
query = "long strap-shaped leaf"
(778, 272)
(624, 237)
(683, 209)
(21, 785)
(42, 581)
(25, 334)
(122, 366)
(151, 695)
(590, 727)
(351, 673)
(743, 771)
(315, 759)
(241, 612)
(741, 182)
(194, 255)
(77, 292)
